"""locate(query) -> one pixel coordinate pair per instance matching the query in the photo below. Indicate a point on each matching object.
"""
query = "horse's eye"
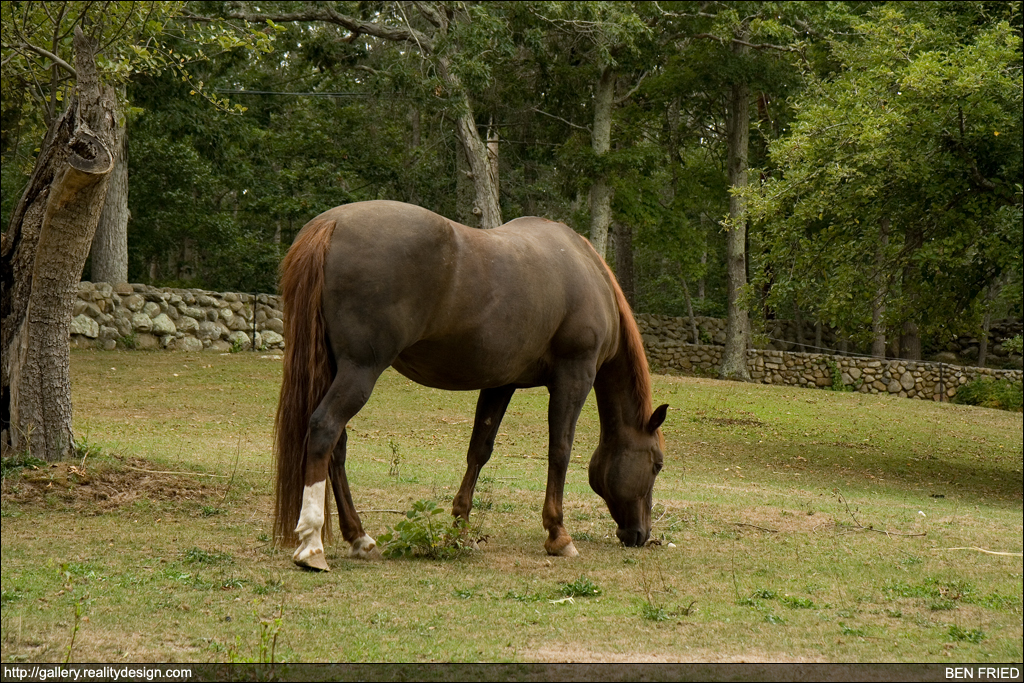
(657, 467)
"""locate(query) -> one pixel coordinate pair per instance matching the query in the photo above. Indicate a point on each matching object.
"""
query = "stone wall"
(908, 379)
(786, 335)
(144, 317)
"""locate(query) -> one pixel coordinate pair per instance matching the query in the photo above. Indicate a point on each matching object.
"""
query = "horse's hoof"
(567, 550)
(365, 548)
(315, 562)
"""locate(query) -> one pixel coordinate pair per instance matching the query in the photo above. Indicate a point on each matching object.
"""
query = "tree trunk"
(734, 356)
(624, 271)
(43, 253)
(110, 243)
(464, 189)
(878, 305)
(482, 156)
(986, 323)
(601, 140)
(694, 333)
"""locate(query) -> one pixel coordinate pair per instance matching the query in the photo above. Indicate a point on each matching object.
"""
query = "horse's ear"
(657, 417)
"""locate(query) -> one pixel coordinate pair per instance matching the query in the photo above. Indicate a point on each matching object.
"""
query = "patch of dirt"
(105, 487)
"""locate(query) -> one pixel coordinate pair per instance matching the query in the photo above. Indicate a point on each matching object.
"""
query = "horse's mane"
(632, 347)
(633, 343)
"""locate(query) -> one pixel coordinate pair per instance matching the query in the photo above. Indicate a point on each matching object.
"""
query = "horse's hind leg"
(348, 393)
(490, 408)
(351, 527)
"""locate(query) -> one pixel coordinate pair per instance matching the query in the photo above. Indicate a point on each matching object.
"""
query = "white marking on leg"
(311, 521)
(363, 547)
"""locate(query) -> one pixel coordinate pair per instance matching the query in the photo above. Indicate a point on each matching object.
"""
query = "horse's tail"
(308, 370)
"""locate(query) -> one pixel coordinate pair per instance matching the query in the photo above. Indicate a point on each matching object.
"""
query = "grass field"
(795, 526)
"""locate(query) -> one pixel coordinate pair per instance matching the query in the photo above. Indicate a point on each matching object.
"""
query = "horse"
(379, 284)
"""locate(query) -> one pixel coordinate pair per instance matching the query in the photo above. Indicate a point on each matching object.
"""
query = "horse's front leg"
(490, 408)
(568, 394)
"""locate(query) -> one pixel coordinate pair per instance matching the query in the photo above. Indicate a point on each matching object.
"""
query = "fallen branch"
(987, 552)
(189, 474)
(773, 531)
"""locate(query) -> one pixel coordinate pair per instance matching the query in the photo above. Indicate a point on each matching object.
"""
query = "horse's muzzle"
(632, 538)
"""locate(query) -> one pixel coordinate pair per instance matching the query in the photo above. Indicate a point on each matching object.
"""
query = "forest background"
(853, 164)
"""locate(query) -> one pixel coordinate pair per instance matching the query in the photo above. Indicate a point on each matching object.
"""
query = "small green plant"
(582, 587)
(423, 533)
(1015, 345)
(87, 449)
(653, 612)
(523, 597)
(238, 345)
(129, 341)
(210, 511)
(396, 458)
(15, 463)
(837, 376)
(266, 649)
(76, 625)
(794, 602)
(973, 635)
(200, 556)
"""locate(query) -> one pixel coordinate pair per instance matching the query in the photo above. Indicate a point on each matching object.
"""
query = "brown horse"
(377, 284)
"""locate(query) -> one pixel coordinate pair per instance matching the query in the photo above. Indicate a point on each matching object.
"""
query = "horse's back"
(461, 308)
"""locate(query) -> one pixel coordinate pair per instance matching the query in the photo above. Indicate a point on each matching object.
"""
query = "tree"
(744, 33)
(43, 253)
(449, 39)
(53, 225)
(895, 201)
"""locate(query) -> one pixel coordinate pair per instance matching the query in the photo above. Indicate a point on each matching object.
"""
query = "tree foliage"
(902, 167)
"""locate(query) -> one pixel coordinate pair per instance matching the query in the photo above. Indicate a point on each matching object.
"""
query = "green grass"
(795, 525)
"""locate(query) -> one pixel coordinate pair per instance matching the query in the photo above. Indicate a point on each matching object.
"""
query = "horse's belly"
(459, 368)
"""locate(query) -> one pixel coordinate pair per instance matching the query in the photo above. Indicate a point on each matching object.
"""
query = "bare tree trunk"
(878, 305)
(986, 323)
(799, 325)
(464, 189)
(734, 356)
(43, 253)
(482, 169)
(601, 190)
(694, 333)
(624, 272)
(110, 244)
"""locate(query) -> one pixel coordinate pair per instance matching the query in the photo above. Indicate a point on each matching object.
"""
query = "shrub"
(422, 533)
(989, 393)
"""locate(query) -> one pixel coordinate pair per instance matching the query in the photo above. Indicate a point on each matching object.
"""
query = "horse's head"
(622, 471)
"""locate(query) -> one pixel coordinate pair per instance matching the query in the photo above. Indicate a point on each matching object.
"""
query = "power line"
(297, 94)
